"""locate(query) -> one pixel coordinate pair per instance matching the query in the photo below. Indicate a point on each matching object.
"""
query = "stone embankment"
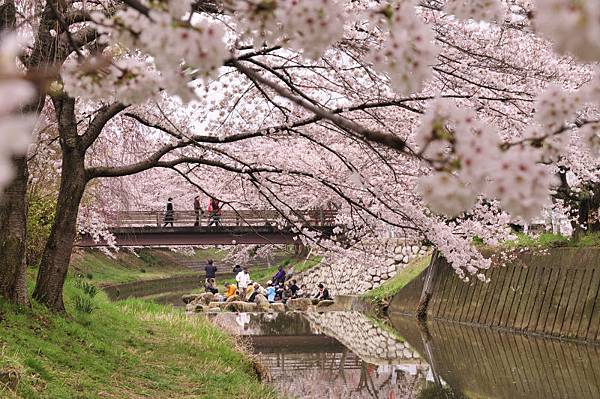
(360, 335)
(345, 279)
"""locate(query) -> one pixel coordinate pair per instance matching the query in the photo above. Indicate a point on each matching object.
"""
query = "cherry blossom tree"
(441, 119)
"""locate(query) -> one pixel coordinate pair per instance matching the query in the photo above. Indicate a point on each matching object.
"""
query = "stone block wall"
(368, 341)
(353, 279)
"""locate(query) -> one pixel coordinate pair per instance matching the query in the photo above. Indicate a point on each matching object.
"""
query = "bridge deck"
(147, 228)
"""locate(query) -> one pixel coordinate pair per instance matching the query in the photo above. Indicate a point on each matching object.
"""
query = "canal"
(350, 355)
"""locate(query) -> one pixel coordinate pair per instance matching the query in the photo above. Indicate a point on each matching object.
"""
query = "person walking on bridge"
(197, 210)
(214, 210)
(210, 269)
(170, 213)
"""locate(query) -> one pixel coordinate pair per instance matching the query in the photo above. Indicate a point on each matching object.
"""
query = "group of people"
(214, 211)
(279, 289)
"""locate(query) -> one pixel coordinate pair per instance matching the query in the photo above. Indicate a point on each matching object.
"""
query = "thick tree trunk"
(57, 253)
(13, 236)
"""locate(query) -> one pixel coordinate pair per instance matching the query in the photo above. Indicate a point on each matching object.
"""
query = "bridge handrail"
(244, 217)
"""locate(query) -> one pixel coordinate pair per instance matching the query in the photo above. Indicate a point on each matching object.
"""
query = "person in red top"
(214, 210)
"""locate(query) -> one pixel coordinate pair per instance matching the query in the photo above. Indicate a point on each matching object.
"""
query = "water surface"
(349, 355)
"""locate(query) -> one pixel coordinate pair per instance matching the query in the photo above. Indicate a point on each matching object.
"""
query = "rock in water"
(190, 298)
(324, 304)
(301, 304)
(240, 306)
(262, 303)
(207, 297)
(195, 307)
(278, 307)
(233, 298)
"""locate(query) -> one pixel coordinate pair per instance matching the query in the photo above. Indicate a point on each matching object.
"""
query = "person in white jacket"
(243, 279)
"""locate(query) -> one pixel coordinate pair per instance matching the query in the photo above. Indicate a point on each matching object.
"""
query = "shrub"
(89, 289)
(40, 216)
(84, 304)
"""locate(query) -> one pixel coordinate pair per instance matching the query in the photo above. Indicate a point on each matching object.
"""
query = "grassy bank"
(549, 240)
(388, 289)
(126, 267)
(128, 349)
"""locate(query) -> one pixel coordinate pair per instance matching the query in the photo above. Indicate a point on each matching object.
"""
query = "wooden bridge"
(154, 228)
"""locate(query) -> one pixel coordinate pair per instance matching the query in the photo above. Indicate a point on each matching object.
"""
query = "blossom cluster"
(15, 93)
(408, 52)
(310, 26)
(180, 51)
(469, 160)
(481, 10)
(572, 25)
(129, 80)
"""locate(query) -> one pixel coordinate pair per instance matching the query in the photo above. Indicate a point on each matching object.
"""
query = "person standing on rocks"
(236, 269)
(243, 279)
(279, 277)
(210, 269)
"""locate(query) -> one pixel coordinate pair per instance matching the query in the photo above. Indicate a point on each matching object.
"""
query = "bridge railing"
(150, 218)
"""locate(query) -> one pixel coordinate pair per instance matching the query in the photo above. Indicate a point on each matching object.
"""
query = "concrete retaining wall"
(556, 292)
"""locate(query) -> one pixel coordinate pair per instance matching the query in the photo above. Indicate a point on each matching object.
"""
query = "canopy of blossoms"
(447, 119)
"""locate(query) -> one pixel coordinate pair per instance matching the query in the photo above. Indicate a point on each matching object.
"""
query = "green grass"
(549, 240)
(388, 289)
(128, 349)
(215, 254)
(126, 267)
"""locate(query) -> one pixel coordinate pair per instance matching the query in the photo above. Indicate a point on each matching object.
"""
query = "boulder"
(324, 304)
(213, 310)
(233, 298)
(240, 306)
(262, 304)
(206, 297)
(219, 305)
(301, 304)
(195, 307)
(190, 298)
(278, 307)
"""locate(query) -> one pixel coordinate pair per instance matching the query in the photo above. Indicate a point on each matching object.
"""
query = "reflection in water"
(348, 355)
(485, 363)
(330, 355)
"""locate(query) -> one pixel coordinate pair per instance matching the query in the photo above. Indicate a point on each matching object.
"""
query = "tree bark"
(57, 253)
(13, 237)
(13, 211)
